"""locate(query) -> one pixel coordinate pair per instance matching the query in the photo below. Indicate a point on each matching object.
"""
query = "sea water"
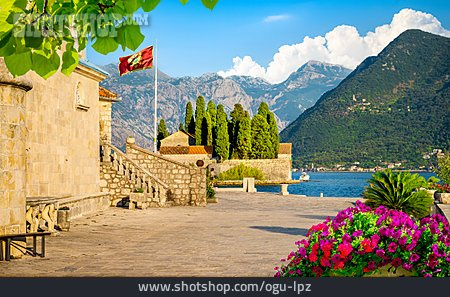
(331, 184)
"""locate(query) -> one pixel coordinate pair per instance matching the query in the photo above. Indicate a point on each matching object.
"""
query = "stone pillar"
(12, 153)
(284, 189)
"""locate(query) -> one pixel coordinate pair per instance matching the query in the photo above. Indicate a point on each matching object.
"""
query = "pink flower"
(392, 247)
(345, 249)
(414, 258)
(396, 262)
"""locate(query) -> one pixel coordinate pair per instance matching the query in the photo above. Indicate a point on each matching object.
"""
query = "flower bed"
(360, 241)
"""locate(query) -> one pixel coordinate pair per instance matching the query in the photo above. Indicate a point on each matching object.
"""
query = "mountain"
(394, 107)
(134, 114)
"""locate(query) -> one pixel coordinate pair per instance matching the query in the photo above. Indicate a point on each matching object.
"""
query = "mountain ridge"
(392, 107)
(132, 116)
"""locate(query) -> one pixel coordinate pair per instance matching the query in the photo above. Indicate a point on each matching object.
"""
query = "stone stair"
(120, 176)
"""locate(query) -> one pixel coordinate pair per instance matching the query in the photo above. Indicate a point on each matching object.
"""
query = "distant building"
(179, 138)
(285, 151)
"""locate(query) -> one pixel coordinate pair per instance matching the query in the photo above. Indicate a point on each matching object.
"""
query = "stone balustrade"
(187, 182)
(120, 176)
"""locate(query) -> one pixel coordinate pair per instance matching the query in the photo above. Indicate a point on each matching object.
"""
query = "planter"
(443, 198)
(138, 200)
(385, 272)
(63, 221)
(212, 200)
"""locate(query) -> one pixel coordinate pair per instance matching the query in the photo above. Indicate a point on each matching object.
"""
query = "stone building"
(199, 155)
(179, 138)
(49, 141)
(55, 151)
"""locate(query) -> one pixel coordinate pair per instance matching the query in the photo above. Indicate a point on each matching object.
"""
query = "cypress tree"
(274, 136)
(236, 115)
(199, 115)
(261, 145)
(264, 110)
(162, 132)
(207, 130)
(221, 149)
(189, 122)
(181, 127)
(244, 137)
(211, 109)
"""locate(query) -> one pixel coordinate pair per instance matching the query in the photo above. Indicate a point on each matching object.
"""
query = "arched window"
(80, 102)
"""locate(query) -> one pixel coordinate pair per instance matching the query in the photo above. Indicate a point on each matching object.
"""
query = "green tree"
(221, 149)
(264, 110)
(443, 168)
(244, 138)
(211, 109)
(32, 32)
(261, 147)
(199, 115)
(236, 115)
(189, 122)
(400, 191)
(162, 132)
(274, 136)
(207, 130)
(181, 127)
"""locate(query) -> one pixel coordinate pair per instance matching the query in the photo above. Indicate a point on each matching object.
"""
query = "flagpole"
(156, 99)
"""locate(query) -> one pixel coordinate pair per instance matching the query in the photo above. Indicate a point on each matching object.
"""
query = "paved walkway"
(245, 234)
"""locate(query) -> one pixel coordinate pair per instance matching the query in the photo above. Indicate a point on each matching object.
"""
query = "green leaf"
(22, 4)
(184, 1)
(45, 66)
(210, 3)
(34, 42)
(149, 5)
(70, 61)
(130, 36)
(105, 45)
(130, 6)
(19, 64)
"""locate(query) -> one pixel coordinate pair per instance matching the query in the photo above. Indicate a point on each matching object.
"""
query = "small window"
(80, 103)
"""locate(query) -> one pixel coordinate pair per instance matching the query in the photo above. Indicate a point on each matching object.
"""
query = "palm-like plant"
(400, 191)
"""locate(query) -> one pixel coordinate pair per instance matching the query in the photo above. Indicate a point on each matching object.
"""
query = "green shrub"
(241, 171)
(210, 193)
(399, 191)
(443, 169)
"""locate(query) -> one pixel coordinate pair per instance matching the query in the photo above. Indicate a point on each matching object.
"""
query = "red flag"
(138, 61)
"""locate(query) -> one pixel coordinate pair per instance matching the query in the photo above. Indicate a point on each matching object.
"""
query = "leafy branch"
(38, 35)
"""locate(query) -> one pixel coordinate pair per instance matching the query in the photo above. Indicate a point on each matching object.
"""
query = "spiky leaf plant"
(400, 191)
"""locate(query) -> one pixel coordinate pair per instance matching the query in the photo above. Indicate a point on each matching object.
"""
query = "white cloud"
(343, 45)
(276, 18)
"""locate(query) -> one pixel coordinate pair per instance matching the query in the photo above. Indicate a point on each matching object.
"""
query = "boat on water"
(304, 177)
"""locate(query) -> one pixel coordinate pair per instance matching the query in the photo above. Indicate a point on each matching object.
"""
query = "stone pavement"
(245, 234)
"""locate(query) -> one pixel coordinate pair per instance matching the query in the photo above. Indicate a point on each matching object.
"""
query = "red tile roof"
(107, 94)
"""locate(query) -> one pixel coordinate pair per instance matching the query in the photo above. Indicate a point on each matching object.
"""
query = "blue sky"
(193, 40)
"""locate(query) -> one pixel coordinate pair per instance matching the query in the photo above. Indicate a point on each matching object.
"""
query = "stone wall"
(13, 136)
(63, 134)
(83, 205)
(117, 185)
(187, 184)
(273, 169)
(105, 120)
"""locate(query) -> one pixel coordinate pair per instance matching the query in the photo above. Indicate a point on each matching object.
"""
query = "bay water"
(331, 184)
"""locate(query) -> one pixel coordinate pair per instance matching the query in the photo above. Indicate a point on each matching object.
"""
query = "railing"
(137, 176)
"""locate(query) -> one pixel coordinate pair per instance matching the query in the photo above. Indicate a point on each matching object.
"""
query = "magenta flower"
(396, 262)
(380, 253)
(414, 258)
(407, 266)
(392, 247)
